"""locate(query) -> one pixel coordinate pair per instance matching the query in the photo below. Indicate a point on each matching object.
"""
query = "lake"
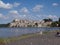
(10, 32)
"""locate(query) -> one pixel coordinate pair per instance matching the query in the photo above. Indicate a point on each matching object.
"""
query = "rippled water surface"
(10, 32)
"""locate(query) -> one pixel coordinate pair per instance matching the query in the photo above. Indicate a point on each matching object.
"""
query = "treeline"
(48, 20)
(56, 23)
(4, 25)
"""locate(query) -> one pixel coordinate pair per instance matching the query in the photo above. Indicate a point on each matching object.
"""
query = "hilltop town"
(29, 23)
(32, 23)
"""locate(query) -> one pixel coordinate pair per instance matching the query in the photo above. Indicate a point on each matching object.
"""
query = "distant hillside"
(4, 25)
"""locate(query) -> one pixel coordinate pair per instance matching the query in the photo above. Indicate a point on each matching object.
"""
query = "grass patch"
(46, 32)
(52, 31)
(3, 41)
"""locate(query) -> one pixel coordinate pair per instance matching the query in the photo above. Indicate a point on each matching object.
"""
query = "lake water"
(10, 32)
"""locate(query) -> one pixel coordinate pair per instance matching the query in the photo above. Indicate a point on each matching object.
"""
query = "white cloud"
(24, 10)
(52, 16)
(2, 16)
(16, 4)
(15, 12)
(37, 8)
(55, 4)
(8, 5)
(5, 5)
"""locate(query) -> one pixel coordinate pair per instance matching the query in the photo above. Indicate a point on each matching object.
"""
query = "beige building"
(27, 23)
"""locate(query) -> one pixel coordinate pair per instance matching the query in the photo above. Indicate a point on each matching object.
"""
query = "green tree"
(36, 24)
(58, 24)
(4, 25)
(59, 19)
(47, 20)
(54, 24)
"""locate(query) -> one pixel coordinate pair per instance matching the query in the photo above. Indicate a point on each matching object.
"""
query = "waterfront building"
(29, 23)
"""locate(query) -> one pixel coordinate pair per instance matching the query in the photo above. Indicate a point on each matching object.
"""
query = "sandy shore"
(44, 39)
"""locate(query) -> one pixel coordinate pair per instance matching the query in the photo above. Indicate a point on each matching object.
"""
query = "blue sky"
(29, 9)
